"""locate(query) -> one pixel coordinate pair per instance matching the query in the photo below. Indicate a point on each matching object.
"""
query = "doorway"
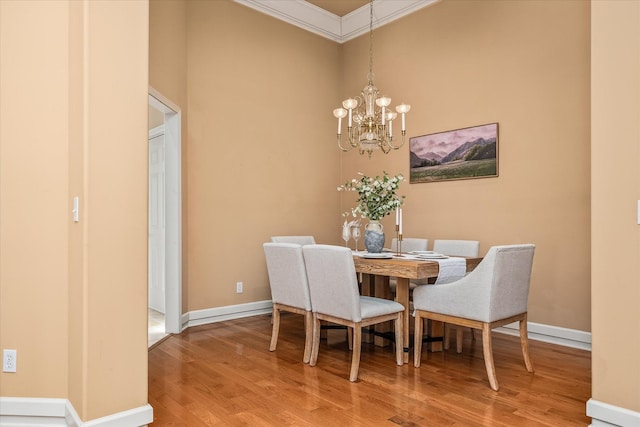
(165, 218)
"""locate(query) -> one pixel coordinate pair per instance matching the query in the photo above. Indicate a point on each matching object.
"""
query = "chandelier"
(370, 122)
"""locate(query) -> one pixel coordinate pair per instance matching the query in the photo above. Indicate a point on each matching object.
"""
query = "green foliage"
(377, 197)
(455, 170)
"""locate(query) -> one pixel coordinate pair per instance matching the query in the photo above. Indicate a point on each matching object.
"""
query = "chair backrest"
(287, 275)
(332, 281)
(300, 240)
(505, 275)
(410, 244)
(511, 280)
(468, 248)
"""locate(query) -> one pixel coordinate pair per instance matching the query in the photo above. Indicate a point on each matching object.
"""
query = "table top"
(410, 268)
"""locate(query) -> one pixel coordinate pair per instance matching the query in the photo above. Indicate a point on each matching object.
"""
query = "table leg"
(381, 284)
(435, 330)
(367, 289)
(402, 296)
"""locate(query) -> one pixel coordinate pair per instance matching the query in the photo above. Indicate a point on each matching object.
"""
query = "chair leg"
(315, 342)
(350, 338)
(275, 320)
(446, 332)
(355, 356)
(459, 339)
(487, 351)
(524, 343)
(399, 345)
(417, 340)
(308, 336)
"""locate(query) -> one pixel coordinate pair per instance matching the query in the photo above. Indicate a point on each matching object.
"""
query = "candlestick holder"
(399, 241)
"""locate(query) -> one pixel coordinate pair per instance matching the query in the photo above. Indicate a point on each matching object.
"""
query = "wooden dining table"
(375, 282)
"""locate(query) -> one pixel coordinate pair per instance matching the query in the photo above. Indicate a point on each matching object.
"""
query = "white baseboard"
(537, 331)
(551, 334)
(47, 412)
(603, 414)
(229, 312)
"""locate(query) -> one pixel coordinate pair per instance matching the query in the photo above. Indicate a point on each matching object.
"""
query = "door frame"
(173, 210)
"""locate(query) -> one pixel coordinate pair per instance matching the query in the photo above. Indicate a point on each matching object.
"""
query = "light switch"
(76, 213)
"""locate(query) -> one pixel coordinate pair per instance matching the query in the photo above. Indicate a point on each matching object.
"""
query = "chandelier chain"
(371, 42)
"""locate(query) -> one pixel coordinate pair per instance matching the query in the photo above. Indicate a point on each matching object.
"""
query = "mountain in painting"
(473, 150)
(477, 149)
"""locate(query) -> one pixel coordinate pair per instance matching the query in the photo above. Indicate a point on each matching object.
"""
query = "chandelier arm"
(352, 142)
(396, 147)
(340, 144)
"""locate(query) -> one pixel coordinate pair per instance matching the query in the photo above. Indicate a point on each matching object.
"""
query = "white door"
(157, 223)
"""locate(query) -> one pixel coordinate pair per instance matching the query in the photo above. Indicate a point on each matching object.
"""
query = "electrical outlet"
(239, 287)
(9, 361)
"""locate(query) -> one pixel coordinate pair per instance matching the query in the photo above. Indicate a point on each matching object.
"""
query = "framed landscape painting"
(455, 154)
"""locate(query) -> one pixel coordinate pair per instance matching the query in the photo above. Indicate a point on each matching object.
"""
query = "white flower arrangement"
(377, 197)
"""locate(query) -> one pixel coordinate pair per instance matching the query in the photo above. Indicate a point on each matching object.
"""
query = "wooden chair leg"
(316, 341)
(487, 351)
(399, 345)
(355, 356)
(459, 339)
(308, 336)
(445, 335)
(275, 320)
(417, 340)
(350, 338)
(524, 343)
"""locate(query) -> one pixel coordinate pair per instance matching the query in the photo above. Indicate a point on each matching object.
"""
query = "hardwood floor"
(223, 374)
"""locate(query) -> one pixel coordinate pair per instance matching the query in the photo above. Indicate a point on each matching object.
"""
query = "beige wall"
(168, 75)
(260, 93)
(466, 63)
(34, 214)
(73, 295)
(615, 190)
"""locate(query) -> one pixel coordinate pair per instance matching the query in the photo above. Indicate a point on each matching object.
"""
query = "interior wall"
(73, 294)
(615, 191)
(168, 75)
(466, 63)
(260, 96)
(115, 205)
(34, 203)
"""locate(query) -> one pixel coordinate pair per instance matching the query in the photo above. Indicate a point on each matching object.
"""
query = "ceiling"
(338, 20)
(339, 7)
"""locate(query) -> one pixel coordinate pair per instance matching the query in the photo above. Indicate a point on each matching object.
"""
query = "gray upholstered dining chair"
(466, 248)
(494, 294)
(410, 244)
(289, 289)
(335, 298)
(300, 240)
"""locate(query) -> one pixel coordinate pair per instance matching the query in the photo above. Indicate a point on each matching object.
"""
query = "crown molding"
(339, 29)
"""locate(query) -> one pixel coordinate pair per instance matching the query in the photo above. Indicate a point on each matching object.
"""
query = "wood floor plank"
(223, 374)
